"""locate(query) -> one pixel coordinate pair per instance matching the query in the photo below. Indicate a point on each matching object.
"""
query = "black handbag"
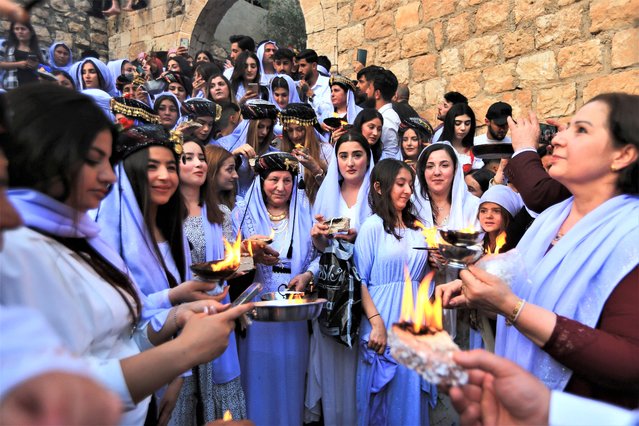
(339, 283)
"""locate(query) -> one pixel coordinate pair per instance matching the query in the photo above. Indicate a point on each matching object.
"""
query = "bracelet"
(514, 316)
(373, 316)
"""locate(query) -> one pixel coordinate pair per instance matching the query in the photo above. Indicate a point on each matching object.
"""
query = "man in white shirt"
(314, 88)
(380, 93)
(496, 124)
(239, 44)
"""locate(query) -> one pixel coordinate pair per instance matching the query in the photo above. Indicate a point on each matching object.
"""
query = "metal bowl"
(283, 295)
(204, 271)
(461, 256)
(458, 238)
(287, 310)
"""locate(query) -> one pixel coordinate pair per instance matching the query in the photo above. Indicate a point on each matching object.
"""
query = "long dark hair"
(228, 84)
(53, 129)
(169, 218)
(624, 129)
(357, 137)
(34, 44)
(364, 116)
(237, 77)
(421, 166)
(384, 174)
(215, 157)
(448, 134)
(260, 147)
(483, 177)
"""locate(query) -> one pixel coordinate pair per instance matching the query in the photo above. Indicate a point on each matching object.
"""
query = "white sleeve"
(391, 143)
(30, 347)
(567, 409)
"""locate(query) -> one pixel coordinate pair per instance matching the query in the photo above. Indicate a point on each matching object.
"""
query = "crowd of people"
(124, 174)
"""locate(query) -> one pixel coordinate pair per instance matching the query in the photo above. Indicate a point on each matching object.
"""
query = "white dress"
(88, 314)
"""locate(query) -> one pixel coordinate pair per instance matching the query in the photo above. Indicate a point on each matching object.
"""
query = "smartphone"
(184, 42)
(248, 294)
(362, 54)
(547, 132)
(32, 58)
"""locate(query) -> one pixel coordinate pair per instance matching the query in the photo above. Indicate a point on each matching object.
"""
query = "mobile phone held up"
(547, 132)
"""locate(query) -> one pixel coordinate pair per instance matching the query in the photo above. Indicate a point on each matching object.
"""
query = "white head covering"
(115, 68)
(327, 203)
(503, 196)
(265, 78)
(323, 71)
(293, 96)
(163, 95)
(108, 82)
(52, 63)
(463, 205)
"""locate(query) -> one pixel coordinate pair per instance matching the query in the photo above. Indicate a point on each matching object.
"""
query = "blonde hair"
(313, 146)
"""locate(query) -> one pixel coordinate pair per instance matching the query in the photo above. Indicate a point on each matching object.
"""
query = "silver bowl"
(458, 238)
(461, 256)
(287, 310)
(283, 295)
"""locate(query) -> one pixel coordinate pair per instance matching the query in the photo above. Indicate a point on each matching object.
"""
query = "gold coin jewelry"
(277, 218)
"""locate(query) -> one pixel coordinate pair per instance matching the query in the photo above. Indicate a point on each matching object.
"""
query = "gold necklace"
(276, 218)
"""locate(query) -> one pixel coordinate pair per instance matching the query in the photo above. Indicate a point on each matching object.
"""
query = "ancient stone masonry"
(64, 20)
(548, 56)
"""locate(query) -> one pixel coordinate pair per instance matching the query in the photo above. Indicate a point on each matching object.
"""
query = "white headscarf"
(503, 196)
(265, 79)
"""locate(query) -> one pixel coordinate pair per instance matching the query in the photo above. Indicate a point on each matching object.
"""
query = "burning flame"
(499, 243)
(227, 417)
(294, 296)
(232, 254)
(426, 314)
(430, 234)
(470, 229)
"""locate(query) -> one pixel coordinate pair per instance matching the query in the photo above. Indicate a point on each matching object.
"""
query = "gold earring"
(613, 169)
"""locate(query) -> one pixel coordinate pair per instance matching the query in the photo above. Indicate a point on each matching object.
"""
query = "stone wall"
(548, 56)
(63, 20)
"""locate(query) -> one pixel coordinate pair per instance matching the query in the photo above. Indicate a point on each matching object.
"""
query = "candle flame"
(499, 243)
(430, 234)
(426, 315)
(232, 254)
(227, 416)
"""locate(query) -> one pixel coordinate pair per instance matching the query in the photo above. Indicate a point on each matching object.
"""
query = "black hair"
(624, 130)
(279, 83)
(207, 70)
(309, 55)
(384, 173)
(89, 53)
(404, 110)
(206, 52)
(185, 68)
(423, 159)
(455, 98)
(65, 75)
(448, 134)
(364, 116)
(34, 44)
(52, 130)
(386, 82)
(368, 72)
(284, 53)
(169, 217)
(355, 136)
(483, 177)
(228, 109)
(237, 77)
(207, 89)
(243, 42)
(325, 62)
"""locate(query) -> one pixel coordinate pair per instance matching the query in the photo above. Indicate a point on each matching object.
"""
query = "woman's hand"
(436, 260)
(141, 95)
(246, 150)
(21, 65)
(267, 256)
(308, 162)
(319, 233)
(197, 86)
(377, 338)
(450, 293)
(300, 282)
(205, 337)
(249, 94)
(185, 311)
(350, 236)
(190, 291)
(485, 291)
(169, 399)
(499, 174)
(524, 133)
(337, 133)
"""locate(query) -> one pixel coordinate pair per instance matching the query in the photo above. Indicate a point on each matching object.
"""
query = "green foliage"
(285, 23)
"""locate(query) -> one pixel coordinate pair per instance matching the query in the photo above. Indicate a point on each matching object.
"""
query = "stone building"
(548, 56)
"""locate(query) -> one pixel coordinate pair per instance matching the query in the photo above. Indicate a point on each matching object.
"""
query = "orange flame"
(426, 315)
(499, 243)
(294, 296)
(430, 234)
(470, 229)
(227, 416)
(232, 254)
(249, 248)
